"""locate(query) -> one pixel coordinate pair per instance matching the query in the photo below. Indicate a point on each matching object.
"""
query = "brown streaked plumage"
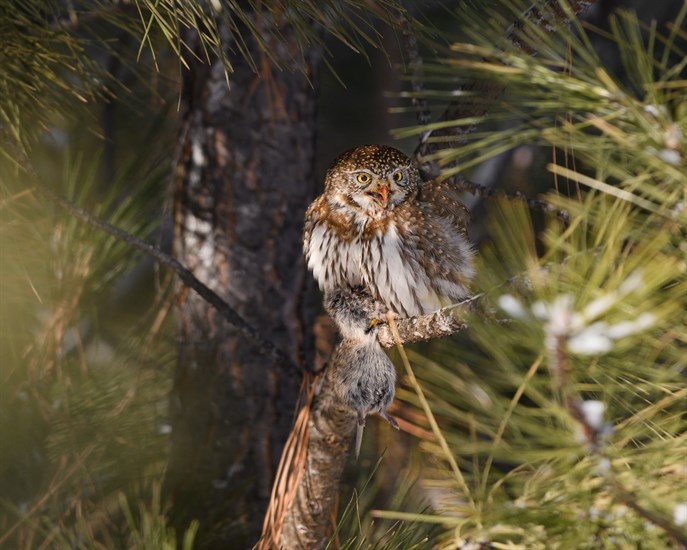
(377, 225)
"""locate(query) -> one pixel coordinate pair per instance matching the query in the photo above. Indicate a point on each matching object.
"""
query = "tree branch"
(548, 15)
(438, 324)
(266, 347)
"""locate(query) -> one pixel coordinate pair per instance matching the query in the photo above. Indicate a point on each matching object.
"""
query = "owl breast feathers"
(377, 225)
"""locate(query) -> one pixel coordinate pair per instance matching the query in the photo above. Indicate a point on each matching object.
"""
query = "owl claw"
(373, 323)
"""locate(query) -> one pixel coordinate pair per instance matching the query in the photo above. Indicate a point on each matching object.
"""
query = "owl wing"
(444, 200)
(440, 236)
(313, 216)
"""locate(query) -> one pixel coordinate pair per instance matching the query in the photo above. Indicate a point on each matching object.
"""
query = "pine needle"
(430, 416)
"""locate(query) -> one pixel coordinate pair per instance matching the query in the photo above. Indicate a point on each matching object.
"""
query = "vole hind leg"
(390, 419)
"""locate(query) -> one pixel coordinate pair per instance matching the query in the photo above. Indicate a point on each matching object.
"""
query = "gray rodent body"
(361, 375)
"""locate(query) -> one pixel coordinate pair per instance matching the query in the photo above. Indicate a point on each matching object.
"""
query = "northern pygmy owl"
(378, 225)
(360, 374)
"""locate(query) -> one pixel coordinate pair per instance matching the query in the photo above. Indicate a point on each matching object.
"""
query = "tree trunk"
(244, 180)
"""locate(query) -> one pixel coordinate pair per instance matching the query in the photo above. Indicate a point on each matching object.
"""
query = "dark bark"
(244, 181)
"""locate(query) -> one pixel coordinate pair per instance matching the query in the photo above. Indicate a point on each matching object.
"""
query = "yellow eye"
(398, 176)
(363, 178)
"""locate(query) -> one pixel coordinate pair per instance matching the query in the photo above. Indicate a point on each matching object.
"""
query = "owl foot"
(373, 323)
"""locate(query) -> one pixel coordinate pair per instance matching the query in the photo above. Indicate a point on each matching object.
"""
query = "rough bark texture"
(244, 180)
(425, 327)
(307, 522)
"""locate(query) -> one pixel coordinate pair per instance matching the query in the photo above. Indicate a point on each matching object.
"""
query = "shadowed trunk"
(244, 180)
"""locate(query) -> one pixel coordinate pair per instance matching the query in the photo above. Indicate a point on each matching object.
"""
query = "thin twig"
(266, 347)
(484, 192)
(414, 63)
(669, 527)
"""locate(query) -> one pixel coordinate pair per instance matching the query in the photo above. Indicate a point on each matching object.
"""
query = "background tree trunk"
(244, 180)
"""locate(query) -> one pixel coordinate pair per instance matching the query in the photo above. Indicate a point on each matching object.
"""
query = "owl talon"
(373, 323)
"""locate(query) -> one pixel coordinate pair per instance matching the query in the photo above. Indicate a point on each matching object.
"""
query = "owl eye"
(363, 178)
(400, 177)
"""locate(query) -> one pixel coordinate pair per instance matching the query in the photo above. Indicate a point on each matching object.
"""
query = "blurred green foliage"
(568, 422)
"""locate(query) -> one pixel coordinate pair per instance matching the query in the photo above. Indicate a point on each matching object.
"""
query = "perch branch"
(426, 327)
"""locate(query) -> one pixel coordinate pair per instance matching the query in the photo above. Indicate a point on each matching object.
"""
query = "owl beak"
(381, 195)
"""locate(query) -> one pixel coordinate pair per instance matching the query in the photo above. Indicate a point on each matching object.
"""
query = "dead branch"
(331, 429)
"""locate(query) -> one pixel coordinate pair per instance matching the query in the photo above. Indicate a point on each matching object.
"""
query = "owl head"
(372, 178)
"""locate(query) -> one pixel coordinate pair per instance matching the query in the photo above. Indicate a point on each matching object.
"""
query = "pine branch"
(593, 438)
(266, 347)
(669, 527)
(549, 15)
